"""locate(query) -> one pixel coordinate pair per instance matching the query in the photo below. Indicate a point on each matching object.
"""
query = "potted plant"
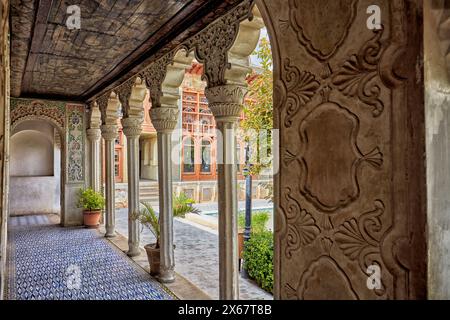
(92, 202)
(149, 219)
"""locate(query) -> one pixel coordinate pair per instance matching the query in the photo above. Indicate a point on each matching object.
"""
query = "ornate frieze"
(28, 109)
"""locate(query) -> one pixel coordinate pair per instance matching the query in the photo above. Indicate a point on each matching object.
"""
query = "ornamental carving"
(329, 179)
(359, 238)
(54, 112)
(132, 126)
(75, 143)
(212, 44)
(356, 78)
(164, 119)
(226, 100)
(109, 132)
(301, 87)
(154, 77)
(124, 94)
(321, 35)
(302, 228)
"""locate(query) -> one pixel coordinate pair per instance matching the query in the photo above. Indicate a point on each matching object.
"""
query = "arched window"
(188, 155)
(206, 157)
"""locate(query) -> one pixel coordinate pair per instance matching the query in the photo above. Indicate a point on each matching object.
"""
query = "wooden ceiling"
(116, 39)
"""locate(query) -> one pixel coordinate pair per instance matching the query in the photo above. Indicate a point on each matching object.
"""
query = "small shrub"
(149, 219)
(90, 200)
(259, 221)
(258, 259)
(182, 205)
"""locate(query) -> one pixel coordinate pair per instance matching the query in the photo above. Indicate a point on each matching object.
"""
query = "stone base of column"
(134, 252)
(110, 234)
(166, 277)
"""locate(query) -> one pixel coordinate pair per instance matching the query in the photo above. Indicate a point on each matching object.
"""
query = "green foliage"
(182, 205)
(90, 200)
(259, 221)
(258, 109)
(149, 219)
(258, 259)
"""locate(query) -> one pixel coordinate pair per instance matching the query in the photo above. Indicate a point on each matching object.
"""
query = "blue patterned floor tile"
(44, 260)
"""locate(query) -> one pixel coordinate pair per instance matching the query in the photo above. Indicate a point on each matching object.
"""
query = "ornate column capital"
(93, 134)
(109, 131)
(132, 127)
(164, 119)
(225, 102)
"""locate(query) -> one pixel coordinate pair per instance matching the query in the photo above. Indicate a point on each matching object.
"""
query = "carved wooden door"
(351, 188)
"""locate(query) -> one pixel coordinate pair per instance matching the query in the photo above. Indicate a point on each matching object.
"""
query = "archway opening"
(36, 156)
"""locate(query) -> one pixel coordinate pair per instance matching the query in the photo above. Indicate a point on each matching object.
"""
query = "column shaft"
(94, 136)
(109, 133)
(132, 128)
(165, 207)
(228, 212)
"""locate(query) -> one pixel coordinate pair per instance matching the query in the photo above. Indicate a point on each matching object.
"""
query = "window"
(238, 157)
(189, 155)
(206, 157)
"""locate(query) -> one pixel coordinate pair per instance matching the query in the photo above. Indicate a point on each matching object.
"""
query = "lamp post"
(248, 194)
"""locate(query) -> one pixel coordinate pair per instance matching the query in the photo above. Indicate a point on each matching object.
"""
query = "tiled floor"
(50, 262)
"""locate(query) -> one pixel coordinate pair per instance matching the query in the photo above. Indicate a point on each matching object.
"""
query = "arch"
(40, 178)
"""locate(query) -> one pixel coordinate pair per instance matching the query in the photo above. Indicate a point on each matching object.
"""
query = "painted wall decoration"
(23, 109)
(75, 143)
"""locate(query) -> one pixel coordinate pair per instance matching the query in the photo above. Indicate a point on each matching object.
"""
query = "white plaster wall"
(35, 183)
(437, 113)
(149, 159)
(31, 154)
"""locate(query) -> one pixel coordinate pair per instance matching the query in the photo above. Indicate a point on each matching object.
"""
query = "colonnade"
(224, 48)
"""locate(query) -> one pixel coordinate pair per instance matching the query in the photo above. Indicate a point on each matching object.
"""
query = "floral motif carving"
(212, 44)
(124, 93)
(154, 77)
(359, 238)
(302, 228)
(301, 87)
(357, 76)
(28, 109)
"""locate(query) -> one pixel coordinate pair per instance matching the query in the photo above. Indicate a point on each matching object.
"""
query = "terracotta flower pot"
(92, 218)
(153, 258)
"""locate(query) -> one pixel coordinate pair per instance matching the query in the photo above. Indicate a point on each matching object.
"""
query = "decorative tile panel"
(75, 143)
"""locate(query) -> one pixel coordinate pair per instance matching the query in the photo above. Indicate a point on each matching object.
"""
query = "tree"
(258, 108)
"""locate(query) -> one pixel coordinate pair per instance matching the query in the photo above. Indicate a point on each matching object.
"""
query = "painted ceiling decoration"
(116, 39)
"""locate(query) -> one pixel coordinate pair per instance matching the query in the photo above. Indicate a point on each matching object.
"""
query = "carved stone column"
(110, 133)
(225, 103)
(164, 120)
(94, 135)
(132, 128)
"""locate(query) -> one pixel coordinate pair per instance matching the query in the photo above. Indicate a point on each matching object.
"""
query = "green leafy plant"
(258, 259)
(149, 219)
(182, 205)
(259, 221)
(90, 200)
